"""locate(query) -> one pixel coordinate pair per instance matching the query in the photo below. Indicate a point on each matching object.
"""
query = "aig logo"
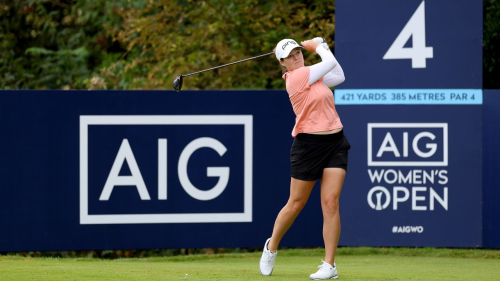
(407, 144)
(165, 169)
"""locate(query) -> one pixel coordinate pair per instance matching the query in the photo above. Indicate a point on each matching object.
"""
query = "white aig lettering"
(407, 144)
(114, 179)
(135, 179)
(221, 172)
(388, 145)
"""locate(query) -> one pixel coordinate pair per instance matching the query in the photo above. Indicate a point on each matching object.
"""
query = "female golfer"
(319, 150)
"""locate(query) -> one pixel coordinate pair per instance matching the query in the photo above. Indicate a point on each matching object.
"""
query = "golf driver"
(178, 80)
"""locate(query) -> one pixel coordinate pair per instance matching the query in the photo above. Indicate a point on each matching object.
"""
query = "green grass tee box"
(291, 264)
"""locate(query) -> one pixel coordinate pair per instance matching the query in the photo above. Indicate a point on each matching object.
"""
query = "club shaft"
(268, 54)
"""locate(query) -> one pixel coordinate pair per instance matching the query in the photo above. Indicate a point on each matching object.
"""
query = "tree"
(491, 45)
(141, 44)
(171, 37)
(51, 44)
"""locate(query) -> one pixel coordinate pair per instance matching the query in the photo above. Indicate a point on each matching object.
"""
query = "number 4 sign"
(418, 53)
(409, 44)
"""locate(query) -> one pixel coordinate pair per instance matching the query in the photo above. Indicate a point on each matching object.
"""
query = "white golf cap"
(284, 48)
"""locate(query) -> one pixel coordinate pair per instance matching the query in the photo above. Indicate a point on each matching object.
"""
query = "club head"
(178, 83)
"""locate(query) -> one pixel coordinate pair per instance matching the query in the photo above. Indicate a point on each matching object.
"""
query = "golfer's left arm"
(335, 75)
(328, 68)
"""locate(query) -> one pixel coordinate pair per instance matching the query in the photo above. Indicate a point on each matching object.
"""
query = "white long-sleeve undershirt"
(328, 68)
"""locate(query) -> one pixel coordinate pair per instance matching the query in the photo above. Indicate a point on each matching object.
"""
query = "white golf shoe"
(326, 271)
(267, 260)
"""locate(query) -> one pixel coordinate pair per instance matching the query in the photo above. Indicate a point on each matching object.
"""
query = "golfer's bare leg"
(331, 186)
(299, 193)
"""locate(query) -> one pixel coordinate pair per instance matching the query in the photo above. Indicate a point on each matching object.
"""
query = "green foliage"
(491, 45)
(144, 44)
(171, 37)
(55, 44)
(59, 68)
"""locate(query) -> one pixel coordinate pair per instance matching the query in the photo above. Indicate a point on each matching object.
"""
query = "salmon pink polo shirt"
(314, 105)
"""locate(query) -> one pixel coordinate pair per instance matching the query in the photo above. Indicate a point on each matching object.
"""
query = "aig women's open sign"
(427, 146)
(411, 106)
(414, 179)
(400, 145)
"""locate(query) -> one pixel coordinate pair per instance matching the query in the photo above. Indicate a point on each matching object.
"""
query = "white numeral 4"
(414, 28)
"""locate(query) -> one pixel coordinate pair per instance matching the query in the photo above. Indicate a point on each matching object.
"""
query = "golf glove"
(322, 42)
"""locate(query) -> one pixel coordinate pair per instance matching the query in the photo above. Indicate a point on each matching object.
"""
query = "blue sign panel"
(419, 157)
(411, 44)
(414, 176)
(491, 169)
(146, 169)
(202, 163)
(134, 170)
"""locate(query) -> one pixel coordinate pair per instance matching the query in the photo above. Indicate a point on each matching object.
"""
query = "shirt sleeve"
(334, 77)
(328, 68)
(328, 62)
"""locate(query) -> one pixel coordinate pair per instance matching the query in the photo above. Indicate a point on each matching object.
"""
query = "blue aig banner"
(200, 172)
(133, 170)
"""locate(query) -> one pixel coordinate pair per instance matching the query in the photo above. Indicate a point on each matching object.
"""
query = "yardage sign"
(411, 44)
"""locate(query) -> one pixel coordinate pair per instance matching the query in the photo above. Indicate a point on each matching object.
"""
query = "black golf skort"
(310, 154)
